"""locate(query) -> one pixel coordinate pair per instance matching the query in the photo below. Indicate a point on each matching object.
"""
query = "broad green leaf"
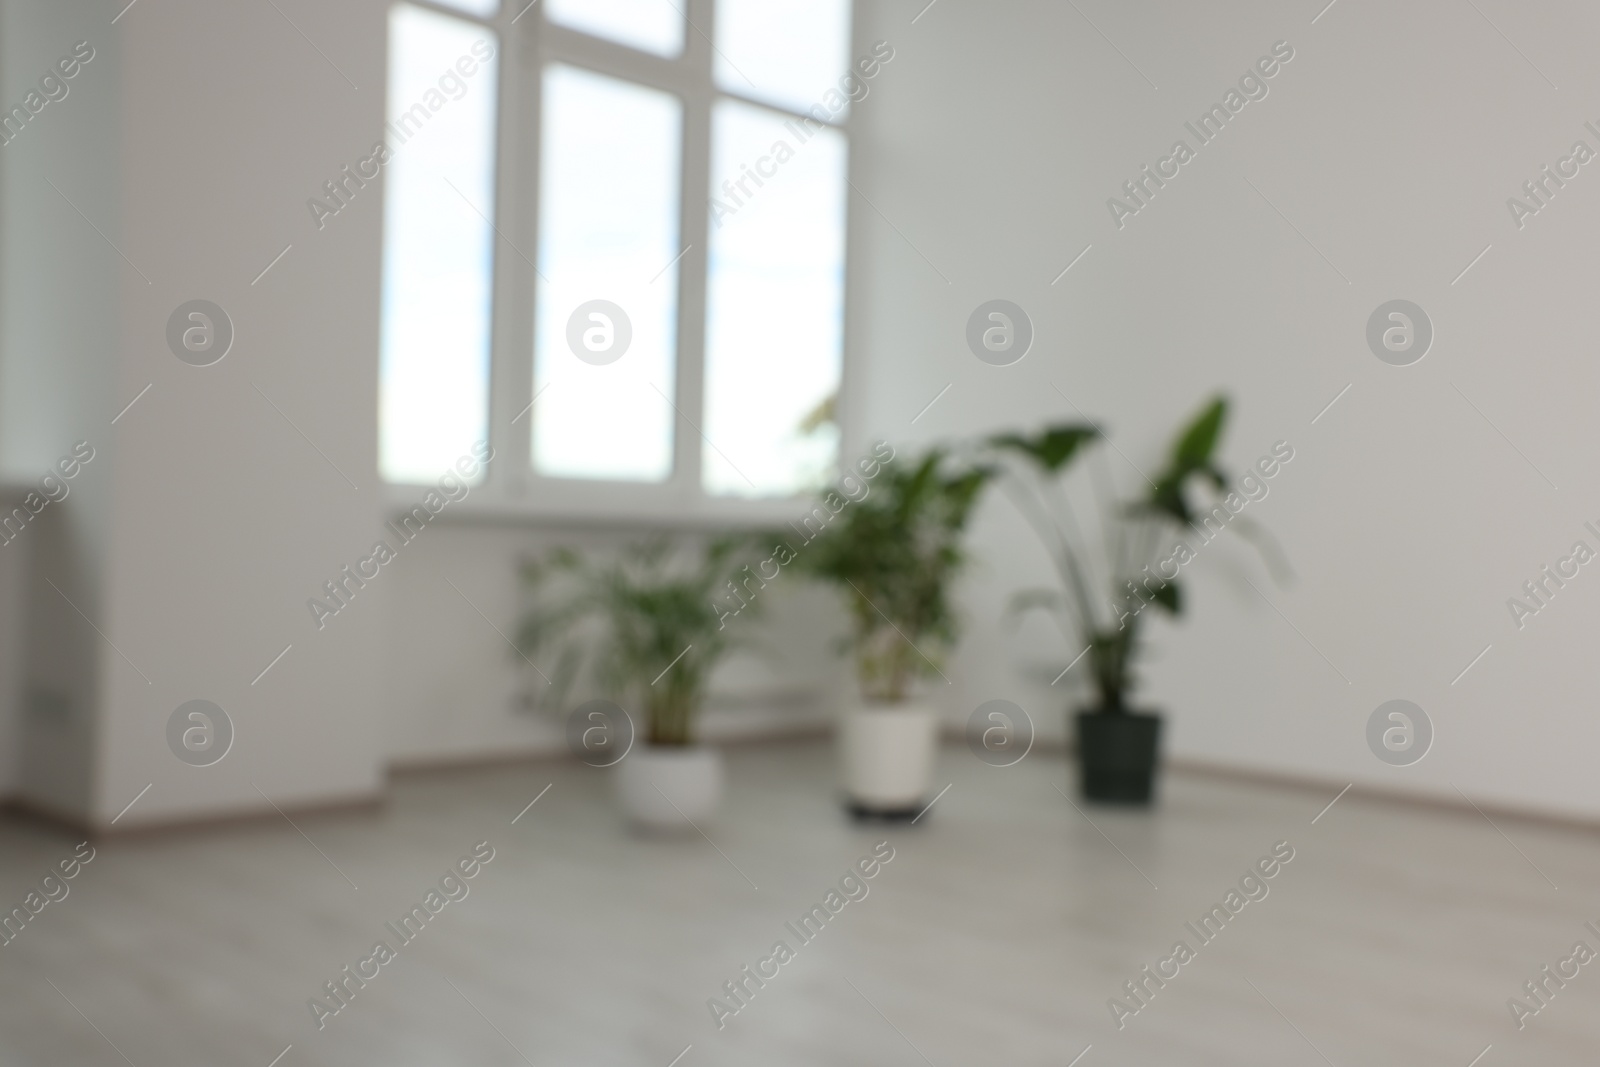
(1192, 451)
(1167, 596)
(1052, 448)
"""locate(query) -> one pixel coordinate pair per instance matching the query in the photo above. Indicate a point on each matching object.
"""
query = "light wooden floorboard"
(996, 935)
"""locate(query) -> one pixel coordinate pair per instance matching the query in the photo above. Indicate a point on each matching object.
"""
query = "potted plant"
(1100, 597)
(645, 631)
(894, 551)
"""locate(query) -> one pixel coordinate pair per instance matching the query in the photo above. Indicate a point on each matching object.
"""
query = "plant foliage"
(1100, 596)
(894, 553)
(642, 626)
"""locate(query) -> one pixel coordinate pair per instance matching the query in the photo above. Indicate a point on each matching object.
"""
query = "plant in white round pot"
(644, 629)
(894, 552)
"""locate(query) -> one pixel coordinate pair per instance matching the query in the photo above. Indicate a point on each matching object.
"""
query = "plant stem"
(1064, 559)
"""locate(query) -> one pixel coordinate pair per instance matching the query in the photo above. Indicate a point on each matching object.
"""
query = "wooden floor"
(996, 935)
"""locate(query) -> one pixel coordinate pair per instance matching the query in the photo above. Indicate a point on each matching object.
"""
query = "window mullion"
(852, 372)
(511, 368)
(690, 399)
(689, 442)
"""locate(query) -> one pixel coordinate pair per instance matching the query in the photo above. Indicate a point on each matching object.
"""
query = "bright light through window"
(589, 225)
(775, 301)
(438, 245)
(483, 8)
(787, 52)
(608, 232)
(649, 25)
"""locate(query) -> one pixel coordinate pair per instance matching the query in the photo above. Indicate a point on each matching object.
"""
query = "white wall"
(1392, 141)
(58, 332)
(193, 141)
(242, 486)
(13, 636)
(991, 143)
(183, 155)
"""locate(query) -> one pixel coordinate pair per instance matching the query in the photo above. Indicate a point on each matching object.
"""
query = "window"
(615, 250)
(484, 8)
(608, 228)
(774, 303)
(651, 25)
(438, 244)
(789, 53)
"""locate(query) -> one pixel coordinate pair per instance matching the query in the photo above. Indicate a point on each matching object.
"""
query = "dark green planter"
(1118, 754)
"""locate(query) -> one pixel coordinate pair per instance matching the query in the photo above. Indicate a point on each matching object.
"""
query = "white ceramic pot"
(888, 751)
(667, 787)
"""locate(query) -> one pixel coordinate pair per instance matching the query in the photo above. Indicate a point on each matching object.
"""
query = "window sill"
(588, 504)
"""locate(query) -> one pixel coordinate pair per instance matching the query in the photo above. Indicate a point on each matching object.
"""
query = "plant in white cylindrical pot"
(645, 630)
(894, 551)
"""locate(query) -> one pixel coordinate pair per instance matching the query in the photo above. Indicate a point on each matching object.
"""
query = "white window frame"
(512, 489)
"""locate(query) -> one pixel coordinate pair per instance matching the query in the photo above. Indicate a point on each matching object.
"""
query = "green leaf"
(1191, 456)
(1052, 448)
(1198, 440)
(962, 492)
(825, 413)
(1167, 596)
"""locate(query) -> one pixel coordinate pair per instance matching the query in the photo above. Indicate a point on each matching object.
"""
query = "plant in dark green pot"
(894, 550)
(642, 628)
(1100, 597)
